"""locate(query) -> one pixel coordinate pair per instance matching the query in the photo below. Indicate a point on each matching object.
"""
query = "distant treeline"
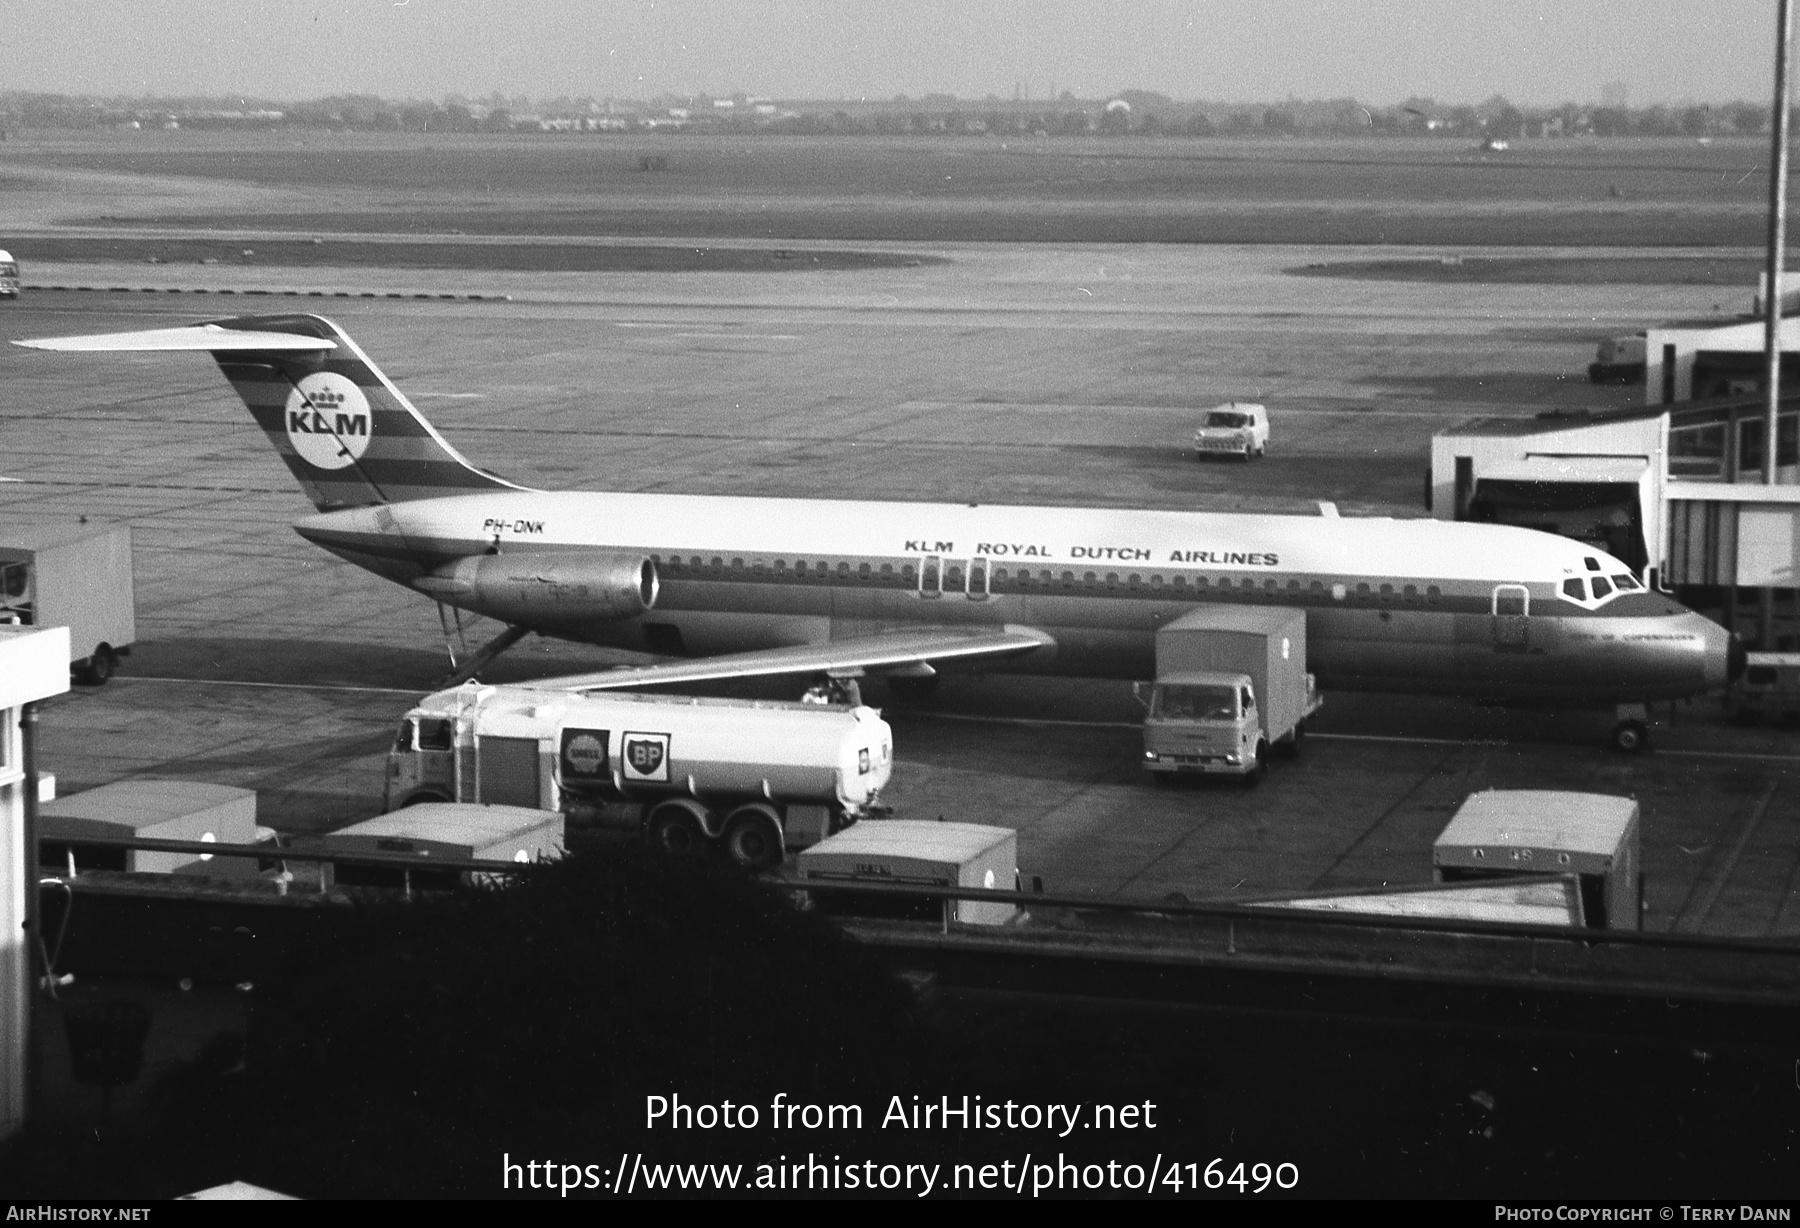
(1131, 112)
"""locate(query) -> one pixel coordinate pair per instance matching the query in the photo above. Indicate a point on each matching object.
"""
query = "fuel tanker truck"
(753, 776)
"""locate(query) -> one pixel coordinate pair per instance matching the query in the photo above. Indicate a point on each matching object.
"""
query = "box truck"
(754, 776)
(76, 576)
(1231, 682)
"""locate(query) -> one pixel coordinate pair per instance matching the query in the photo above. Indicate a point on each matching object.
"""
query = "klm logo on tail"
(317, 397)
(328, 421)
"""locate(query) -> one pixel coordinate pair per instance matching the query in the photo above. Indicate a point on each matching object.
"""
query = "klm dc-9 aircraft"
(754, 586)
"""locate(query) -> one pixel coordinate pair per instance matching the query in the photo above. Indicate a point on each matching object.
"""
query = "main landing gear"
(470, 664)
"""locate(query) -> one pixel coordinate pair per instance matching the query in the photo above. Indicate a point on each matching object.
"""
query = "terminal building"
(1674, 488)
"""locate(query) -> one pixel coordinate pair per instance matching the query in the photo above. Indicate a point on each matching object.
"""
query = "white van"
(1236, 428)
(1768, 687)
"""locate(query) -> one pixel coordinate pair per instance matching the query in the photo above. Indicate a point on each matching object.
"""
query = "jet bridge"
(1608, 502)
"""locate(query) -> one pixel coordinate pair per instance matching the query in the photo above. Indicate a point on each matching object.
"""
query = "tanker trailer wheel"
(1630, 737)
(753, 839)
(676, 833)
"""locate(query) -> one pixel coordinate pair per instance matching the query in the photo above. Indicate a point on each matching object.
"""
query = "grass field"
(341, 252)
(1736, 271)
(1218, 190)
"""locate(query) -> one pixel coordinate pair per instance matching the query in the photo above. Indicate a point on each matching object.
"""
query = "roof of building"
(1549, 422)
(1553, 420)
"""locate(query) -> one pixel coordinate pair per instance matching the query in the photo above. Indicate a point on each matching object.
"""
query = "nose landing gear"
(1632, 732)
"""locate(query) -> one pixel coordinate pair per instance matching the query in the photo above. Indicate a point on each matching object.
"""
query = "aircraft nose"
(1724, 653)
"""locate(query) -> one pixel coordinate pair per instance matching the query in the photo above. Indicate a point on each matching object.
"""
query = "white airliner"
(753, 586)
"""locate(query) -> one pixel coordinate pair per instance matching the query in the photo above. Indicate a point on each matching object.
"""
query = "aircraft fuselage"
(1392, 605)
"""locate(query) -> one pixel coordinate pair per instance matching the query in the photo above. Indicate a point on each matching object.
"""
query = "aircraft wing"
(898, 652)
(205, 338)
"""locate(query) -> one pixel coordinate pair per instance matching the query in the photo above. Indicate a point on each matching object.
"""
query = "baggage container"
(153, 810)
(1502, 833)
(922, 853)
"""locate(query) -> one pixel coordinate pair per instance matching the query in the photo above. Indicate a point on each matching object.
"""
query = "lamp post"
(1778, 179)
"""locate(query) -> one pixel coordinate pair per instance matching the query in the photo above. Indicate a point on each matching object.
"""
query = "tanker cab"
(422, 763)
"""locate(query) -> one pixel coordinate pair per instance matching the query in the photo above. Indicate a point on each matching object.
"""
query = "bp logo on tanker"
(328, 421)
(646, 756)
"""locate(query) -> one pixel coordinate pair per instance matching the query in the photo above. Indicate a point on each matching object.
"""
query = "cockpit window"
(1227, 419)
(1593, 564)
(1594, 591)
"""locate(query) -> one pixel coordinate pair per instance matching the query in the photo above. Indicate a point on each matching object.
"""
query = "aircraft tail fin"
(350, 437)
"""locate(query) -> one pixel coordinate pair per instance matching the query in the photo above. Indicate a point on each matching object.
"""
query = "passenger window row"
(780, 569)
(1024, 579)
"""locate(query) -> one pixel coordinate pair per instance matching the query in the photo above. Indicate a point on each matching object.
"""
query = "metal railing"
(1211, 933)
(1205, 909)
(270, 851)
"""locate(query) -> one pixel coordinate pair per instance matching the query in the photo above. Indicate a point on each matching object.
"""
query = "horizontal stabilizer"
(204, 338)
(895, 652)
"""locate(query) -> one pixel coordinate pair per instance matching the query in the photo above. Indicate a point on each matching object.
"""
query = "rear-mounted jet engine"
(539, 589)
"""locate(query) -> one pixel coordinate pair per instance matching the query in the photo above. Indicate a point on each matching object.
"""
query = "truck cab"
(1237, 428)
(9, 276)
(1204, 722)
(422, 765)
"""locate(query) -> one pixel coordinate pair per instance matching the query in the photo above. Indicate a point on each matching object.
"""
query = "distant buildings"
(1128, 113)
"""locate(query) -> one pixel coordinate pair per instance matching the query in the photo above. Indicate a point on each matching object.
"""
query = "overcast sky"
(1532, 51)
